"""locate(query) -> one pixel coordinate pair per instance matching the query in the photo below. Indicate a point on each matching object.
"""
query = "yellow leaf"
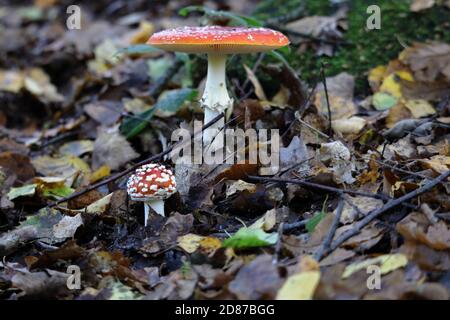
(143, 33)
(189, 242)
(376, 76)
(420, 108)
(210, 244)
(100, 173)
(438, 163)
(391, 83)
(348, 126)
(259, 91)
(387, 263)
(266, 222)
(300, 286)
(100, 205)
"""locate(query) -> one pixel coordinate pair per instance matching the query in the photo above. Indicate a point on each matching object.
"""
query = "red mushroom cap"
(151, 181)
(217, 39)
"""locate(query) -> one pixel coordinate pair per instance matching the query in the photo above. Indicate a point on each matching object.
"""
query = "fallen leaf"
(364, 205)
(189, 242)
(67, 226)
(112, 149)
(259, 91)
(337, 156)
(249, 238)
(340, 92)
(76, 148)
(438, 163)
(387, 262)
(383, 101)
(300, 286)
(295, 153)
(100, 173)
(428, 61)
(24, 191)
(238, 186)
(352, 125)
(247, 284)
(420, 108)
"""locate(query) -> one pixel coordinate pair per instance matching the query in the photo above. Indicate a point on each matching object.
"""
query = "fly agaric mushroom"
(217, 42)
(152, 184)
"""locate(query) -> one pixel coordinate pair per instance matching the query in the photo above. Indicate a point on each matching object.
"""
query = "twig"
(278, 245)
(321, 186)
(301, 110)
(314, 129)
(330, 189)
(132, 168)
(388, 206)
(294, 225)
(415, 174)
(324, 81)
(330, 235)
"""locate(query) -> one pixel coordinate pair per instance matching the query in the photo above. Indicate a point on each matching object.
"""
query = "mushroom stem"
(157, 205)
(146, 213)
(215, 97)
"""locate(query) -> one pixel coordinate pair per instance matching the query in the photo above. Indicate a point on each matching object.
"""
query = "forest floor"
(360, 205)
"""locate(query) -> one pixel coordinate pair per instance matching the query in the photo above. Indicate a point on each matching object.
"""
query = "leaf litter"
(79, 108)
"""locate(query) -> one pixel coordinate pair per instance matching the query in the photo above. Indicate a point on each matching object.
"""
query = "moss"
(399, 26)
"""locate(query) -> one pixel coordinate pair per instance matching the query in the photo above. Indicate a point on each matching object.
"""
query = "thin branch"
(314, 129)
(132, 168)
(358, 226)
(328, 188)
(294, 225)
(301, 110)
(321, 187)
(330, 235)
(324, 81)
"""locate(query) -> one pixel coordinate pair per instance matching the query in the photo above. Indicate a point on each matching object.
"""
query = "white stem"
(146, 212)
(215, 98)
(157, 205)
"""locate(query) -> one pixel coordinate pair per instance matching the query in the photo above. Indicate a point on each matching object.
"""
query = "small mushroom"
(151, 184)
(217, 42)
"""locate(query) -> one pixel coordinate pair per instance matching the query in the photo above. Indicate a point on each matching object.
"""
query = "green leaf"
(158, 67)
(24, 191)
(57, 192)
(314, 221)
(383, 101)
(137, 49)
(250, 238)
(218, 14)
(171, 101)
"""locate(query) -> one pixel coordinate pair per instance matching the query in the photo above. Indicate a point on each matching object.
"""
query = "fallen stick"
(322, 187)
(330, 234)
(388, 206)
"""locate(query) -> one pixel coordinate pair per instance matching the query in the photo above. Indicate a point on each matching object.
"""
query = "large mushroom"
(151, 184)
(217, 42)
